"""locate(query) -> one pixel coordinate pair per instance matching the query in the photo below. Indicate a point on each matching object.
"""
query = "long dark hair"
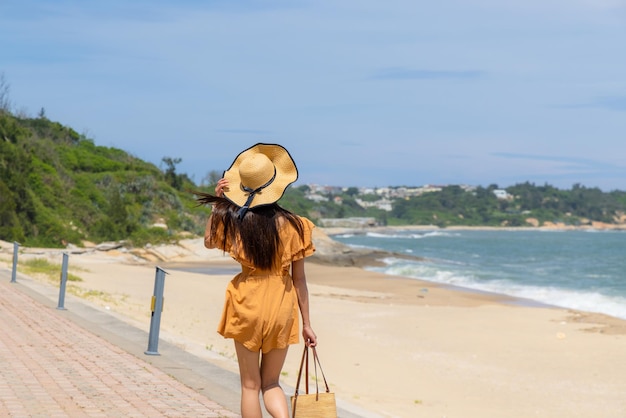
(258, 231)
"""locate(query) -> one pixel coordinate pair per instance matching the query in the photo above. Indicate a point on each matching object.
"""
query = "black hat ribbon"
(242, 210)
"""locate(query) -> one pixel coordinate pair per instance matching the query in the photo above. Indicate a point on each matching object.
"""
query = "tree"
(170, 173)
(352, 191)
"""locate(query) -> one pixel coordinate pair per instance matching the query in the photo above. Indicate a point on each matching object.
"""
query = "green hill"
(58, 187)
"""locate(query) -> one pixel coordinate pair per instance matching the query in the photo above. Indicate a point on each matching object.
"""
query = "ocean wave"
(604, 231)
(411, 235)
(589, 301)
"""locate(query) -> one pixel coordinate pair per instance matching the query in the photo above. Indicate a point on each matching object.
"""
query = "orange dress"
(261, 307)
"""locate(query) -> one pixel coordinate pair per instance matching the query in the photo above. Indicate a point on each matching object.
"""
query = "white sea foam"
(385, 236)
(550, 295)
(411, 236)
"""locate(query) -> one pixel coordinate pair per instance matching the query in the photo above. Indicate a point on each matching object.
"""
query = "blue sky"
(362, 92)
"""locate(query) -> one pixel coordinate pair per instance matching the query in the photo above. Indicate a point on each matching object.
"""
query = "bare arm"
(299, 281)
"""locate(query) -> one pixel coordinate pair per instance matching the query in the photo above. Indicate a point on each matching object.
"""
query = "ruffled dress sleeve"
(295, 247)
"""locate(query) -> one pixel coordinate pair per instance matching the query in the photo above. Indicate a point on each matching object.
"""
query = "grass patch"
(96, 295)
(41, 265)
(73, 278)
(51, 270)
(42, 268)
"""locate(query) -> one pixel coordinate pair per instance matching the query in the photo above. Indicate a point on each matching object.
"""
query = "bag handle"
(316, 362)
(305, 355)
(316, 359)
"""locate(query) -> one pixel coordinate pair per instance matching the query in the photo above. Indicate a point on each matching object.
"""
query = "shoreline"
(475, 294)
(404, 290)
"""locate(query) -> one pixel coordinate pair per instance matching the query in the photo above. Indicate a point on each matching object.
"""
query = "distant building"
(383, 204)
(316, 197)
(502, 194)
(347, 222)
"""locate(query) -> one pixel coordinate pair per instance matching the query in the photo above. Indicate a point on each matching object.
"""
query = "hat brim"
(286, 174)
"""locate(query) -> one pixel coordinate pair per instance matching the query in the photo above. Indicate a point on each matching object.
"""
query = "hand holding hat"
(222, 185)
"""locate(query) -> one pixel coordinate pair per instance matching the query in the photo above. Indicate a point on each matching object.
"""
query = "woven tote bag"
(312, 405)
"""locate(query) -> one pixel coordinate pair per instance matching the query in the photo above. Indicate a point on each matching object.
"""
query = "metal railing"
(156, 304)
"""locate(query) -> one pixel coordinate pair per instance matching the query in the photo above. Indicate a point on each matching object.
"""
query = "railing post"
(16, 247)
(63, 282)
(157, 308)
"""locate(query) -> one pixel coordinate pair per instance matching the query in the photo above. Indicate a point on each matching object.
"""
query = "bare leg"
(273, 396)
(250, 374)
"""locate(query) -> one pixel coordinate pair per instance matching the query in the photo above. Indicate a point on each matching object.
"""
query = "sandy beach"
(393, 346)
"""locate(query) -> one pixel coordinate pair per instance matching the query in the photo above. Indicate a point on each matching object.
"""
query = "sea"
(578, 269)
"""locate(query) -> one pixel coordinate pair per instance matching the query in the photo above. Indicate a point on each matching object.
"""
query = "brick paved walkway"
(51, 367)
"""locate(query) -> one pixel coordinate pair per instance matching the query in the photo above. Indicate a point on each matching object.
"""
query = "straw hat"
(259, 176)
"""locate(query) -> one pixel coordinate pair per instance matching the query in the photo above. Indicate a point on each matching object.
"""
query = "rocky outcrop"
(331, 252)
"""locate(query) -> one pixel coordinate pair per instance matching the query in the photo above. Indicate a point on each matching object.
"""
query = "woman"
(261, 309)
